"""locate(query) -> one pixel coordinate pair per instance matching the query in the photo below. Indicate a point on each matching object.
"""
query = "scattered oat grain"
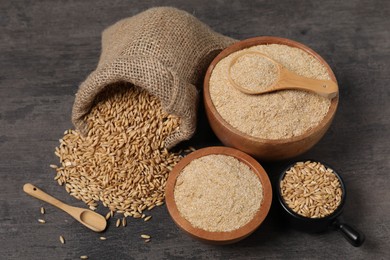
(192, 149)
(122, 161)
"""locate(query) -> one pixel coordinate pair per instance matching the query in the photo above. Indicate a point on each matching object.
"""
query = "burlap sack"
(163, 50)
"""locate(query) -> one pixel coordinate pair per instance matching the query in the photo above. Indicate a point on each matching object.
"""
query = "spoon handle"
(290, 80)
(39, 194)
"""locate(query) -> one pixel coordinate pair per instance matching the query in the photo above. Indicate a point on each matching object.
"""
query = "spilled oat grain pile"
(218, 193)
(311, 189)
(122, 161)
(278, 115)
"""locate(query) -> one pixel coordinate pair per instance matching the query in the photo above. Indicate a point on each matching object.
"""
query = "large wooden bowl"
(264, 149)
(219, 237)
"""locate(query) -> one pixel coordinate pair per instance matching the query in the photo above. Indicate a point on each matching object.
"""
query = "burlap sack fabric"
(163, 50)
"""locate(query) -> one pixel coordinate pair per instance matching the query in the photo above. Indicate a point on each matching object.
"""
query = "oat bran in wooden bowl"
(272, 126)
(218, 195)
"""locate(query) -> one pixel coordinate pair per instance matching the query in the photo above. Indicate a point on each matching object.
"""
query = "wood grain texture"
(48, 47)
(87, 217)
(283, 79)
(219, 238)
(265, 149)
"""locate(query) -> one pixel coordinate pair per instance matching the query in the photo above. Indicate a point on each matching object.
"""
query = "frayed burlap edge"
(124, 66)
(175, 87)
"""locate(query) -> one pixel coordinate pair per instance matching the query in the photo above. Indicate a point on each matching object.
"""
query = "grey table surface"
(47, 47)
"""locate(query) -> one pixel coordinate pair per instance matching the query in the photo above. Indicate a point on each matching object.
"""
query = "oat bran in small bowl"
(218, 195)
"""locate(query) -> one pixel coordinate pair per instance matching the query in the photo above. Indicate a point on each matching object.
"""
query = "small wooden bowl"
(219, 237)
(265, 149)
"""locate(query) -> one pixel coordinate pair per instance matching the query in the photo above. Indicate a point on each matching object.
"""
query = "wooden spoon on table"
(284, 79)
(88, 218)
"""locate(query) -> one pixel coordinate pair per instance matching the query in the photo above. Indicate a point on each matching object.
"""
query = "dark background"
(48, 47)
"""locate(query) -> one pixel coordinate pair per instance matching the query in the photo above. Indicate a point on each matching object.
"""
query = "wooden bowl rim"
(260, 41)
(219, 237)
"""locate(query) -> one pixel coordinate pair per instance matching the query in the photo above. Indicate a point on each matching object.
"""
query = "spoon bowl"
(88, 218)
(92, 220)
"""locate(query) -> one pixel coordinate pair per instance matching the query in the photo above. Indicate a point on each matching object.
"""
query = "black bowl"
(316, 225)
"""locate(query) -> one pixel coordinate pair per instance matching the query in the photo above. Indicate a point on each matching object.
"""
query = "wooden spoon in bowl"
(88, 218)
(279, 78)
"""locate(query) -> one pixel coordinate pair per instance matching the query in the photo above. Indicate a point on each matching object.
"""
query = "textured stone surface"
(48, 47)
